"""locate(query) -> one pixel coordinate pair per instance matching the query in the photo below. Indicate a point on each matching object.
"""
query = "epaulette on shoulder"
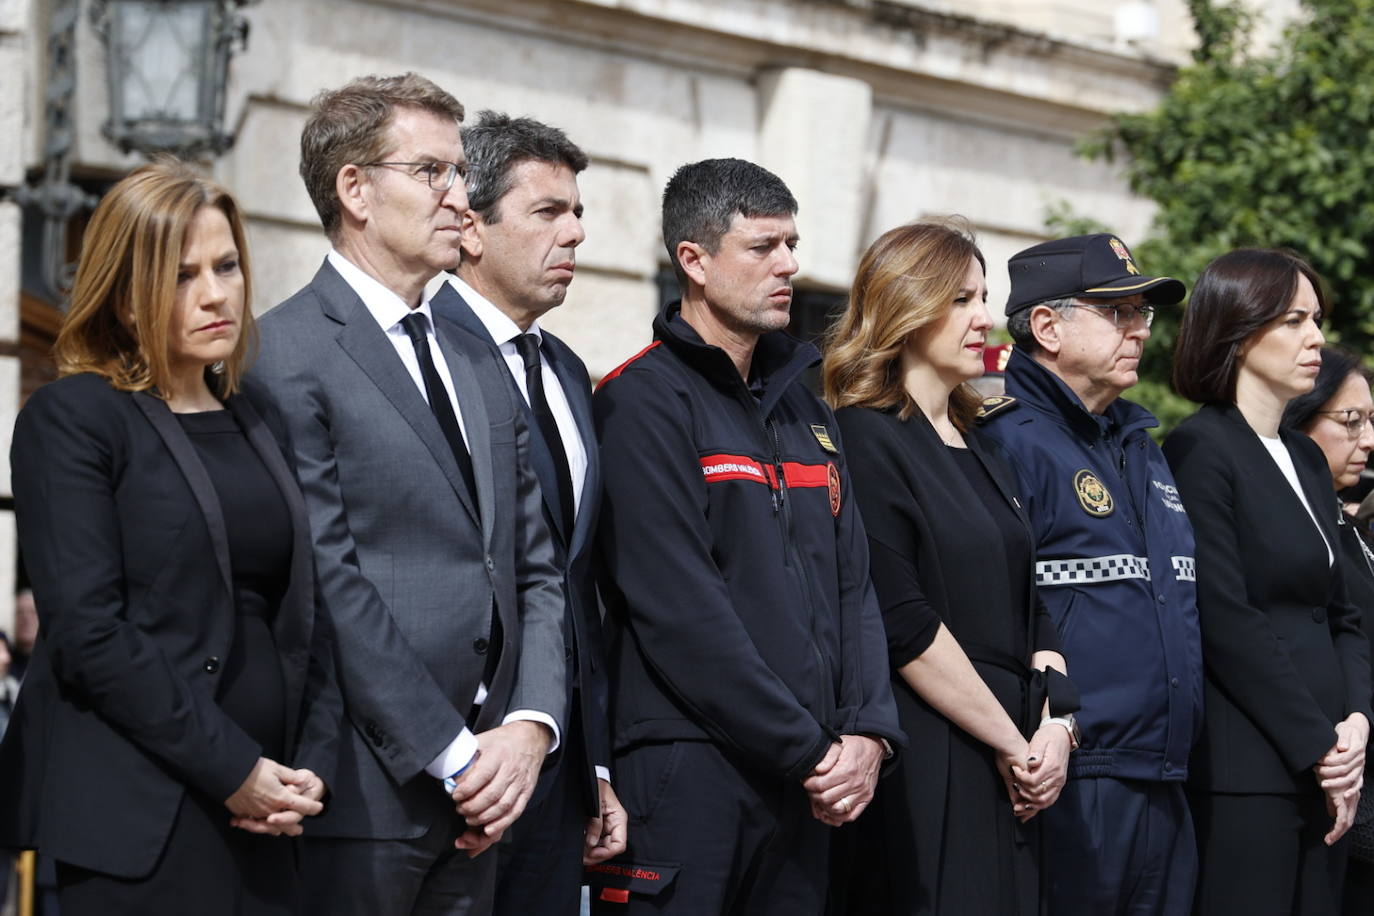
(994, 406)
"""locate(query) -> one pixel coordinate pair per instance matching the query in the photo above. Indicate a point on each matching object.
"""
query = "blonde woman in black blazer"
(179, 712)
(1278, 772)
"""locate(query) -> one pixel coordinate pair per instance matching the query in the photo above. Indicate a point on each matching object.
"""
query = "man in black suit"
(434, 561)
(520, 233)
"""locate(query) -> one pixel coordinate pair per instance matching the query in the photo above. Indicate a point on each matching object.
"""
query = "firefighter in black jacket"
(750, 699)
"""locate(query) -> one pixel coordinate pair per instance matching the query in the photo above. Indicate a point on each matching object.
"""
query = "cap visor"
(1156, 290)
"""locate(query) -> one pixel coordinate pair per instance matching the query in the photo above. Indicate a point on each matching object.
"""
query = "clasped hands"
(494, 789)
(274, 799)
(1034, 771)
(841, 785)
(1340, 773)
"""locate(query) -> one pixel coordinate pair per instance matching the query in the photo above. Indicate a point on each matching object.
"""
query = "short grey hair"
(1019, 326)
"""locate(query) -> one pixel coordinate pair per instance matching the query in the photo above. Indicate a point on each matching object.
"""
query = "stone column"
(813, 133)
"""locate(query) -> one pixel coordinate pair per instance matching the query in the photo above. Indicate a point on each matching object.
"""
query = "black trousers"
(716, 836)
(207, 868)
(425, 876)
(1263, 855)
(540, 869)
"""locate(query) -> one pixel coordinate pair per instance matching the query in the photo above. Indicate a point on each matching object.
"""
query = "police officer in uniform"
(1114, 564)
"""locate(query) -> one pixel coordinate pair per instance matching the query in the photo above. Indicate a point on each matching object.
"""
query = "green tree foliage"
(1271, 148)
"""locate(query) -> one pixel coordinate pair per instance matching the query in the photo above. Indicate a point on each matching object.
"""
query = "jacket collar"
(1035, 386)
(779, 358)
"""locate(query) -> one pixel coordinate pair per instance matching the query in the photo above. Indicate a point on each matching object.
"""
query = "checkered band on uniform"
(1185, 569)
(1092, 569)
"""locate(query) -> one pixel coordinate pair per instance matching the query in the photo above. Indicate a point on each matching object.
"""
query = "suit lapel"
(184, 454)
(270, 453)
(579, 397)
(367, 345)
(1320, 494)
(294, 623)
(477, 428)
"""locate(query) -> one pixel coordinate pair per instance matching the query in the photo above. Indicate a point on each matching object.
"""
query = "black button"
(479, 645)
(491, 564)
(211, 664)
(567, 653)
(1319, 614)
(1168, 767)
(375, 734)
(1160, 599)
(1173, 682)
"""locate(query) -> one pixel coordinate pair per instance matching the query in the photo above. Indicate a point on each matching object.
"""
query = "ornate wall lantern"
(168, 70)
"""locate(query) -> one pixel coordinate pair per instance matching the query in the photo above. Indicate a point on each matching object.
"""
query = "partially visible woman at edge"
(1275, 777)
(180, 663)
(1335, 414)
(952, 561)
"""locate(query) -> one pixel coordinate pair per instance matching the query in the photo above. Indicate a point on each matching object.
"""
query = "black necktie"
(528, 345)
(414, 323)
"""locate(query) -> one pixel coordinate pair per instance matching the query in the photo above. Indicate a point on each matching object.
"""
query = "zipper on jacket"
(789, 546)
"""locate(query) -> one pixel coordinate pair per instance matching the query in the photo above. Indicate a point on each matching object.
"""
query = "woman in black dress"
(180, 663)
(1275, 777)
(952, 560)
(1336, 414)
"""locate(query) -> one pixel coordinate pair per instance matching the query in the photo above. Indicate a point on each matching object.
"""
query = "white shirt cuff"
(532, 715)
(603, 773)
(453, 758)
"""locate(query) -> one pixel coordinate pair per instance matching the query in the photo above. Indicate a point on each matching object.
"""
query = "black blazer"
(124, 540)
(1284, 654)
(574, 549)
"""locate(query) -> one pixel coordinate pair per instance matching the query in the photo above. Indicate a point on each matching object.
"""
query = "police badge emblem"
(1092, 494)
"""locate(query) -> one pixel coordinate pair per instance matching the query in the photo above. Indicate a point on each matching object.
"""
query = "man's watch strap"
(1069, 724)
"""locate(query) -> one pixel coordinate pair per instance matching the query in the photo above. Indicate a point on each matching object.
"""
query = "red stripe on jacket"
(625, 365)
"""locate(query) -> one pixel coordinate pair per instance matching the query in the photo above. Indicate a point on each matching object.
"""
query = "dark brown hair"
(1236, 296)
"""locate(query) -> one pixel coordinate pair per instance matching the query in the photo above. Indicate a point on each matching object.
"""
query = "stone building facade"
(876, 112)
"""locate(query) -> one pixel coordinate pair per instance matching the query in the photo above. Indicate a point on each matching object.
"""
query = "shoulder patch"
(823, 437)
(993, 406)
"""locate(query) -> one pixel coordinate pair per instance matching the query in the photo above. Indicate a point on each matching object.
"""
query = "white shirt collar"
(499, 325)
(384, 305)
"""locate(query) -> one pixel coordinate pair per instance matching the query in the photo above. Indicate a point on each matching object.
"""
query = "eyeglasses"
(1124, 316)
(1351, 418)
(439, 174)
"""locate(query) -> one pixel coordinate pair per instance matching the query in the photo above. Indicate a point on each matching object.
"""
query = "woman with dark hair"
(1276, 776)
(952, 561)
(1336, 414)
(180, 663)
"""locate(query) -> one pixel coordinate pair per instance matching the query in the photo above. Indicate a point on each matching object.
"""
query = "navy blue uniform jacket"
(1115, 568)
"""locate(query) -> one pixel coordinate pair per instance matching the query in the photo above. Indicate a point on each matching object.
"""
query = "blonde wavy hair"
(906, 279)
(120, 319)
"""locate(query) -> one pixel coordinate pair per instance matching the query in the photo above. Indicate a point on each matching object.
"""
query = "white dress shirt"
(503, 330)
(388, 309)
